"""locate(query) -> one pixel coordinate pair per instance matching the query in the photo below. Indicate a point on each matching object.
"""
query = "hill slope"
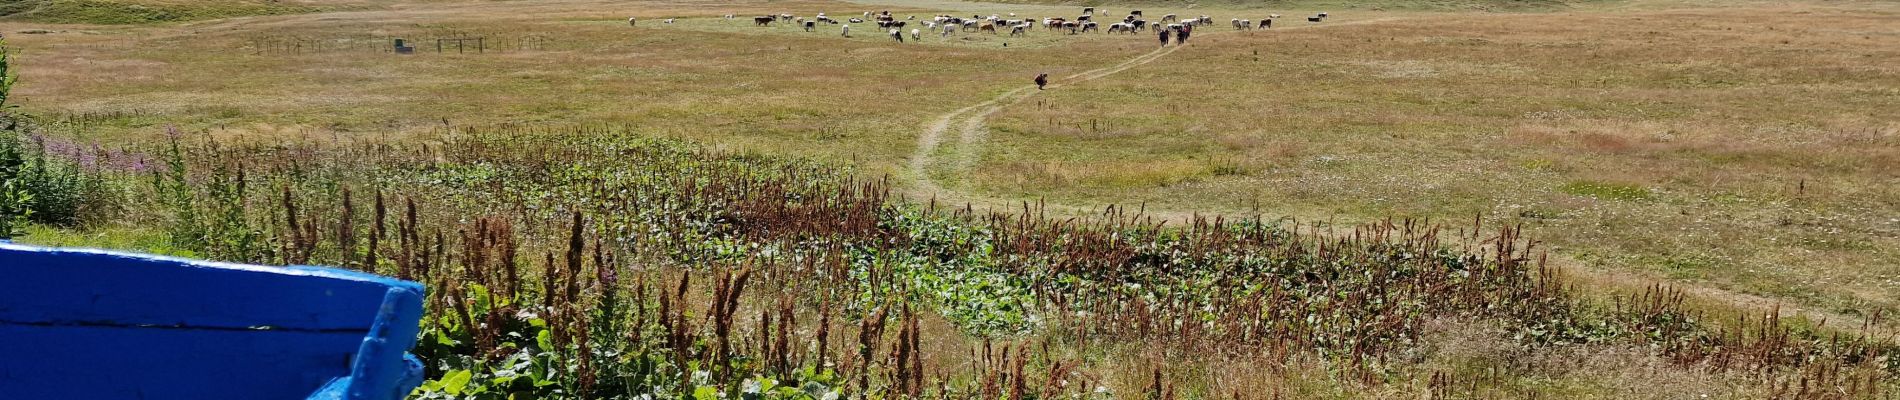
(121, 12)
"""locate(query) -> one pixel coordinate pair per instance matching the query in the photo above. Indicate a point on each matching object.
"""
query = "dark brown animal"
(763, 20)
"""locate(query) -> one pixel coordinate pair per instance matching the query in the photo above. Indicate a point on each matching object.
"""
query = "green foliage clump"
(40, 187)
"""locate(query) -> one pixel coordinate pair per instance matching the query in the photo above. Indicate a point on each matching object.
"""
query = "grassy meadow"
(1413, 199)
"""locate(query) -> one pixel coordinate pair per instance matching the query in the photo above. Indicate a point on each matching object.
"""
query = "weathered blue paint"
(89, 324)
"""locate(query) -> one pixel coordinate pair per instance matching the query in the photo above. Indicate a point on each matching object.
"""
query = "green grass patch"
(1607, 191)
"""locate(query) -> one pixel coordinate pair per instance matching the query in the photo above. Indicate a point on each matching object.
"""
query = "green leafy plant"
(7, 77)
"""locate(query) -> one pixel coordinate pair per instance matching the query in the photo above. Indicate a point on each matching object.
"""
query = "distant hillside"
(120, 12)
(1492, 5)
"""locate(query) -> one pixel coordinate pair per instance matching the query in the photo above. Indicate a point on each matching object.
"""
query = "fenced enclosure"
(459, 43)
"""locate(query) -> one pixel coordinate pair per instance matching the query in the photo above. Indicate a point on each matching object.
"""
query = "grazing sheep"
(1084, 18)
(971, 25)
(915, 34)
(1273, 16)
(728, 16)
(1169, 17)
(897, 35)
(1121, 27)
(1322, 15)
(785, 17)
(987, 27)
(856, 21)
(1266, 23)
(633, 21)
(947, 29)
(1136, 13)
(1088, 10)
(846, 31)
(810, 25)
(1139, 24)
(827, 20)
(1235, 22)
(1090, 26)
(763, 20)
(1314, 19)
(1019, 29)
(667, 21)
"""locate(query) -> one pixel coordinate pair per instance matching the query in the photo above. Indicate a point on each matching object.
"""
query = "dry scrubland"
(1746, 152)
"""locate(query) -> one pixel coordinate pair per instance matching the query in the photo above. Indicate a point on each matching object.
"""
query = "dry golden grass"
(1745, 147)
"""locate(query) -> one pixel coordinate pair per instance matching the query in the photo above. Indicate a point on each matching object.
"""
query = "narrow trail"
(972, 131)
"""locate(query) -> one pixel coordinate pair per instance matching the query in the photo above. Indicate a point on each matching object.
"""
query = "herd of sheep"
(945, 25)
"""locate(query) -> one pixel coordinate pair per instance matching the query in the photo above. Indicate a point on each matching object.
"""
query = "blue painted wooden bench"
(89, 324)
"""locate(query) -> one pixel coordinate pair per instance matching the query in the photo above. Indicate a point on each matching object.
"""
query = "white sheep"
(847, 31)
(667, 21)
(633, 21)
(897, 34)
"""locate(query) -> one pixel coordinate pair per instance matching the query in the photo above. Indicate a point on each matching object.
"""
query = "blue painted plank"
(90, 362)
(89, 324)
(89, 286)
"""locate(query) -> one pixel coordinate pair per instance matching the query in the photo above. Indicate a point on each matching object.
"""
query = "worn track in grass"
(972, 131)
